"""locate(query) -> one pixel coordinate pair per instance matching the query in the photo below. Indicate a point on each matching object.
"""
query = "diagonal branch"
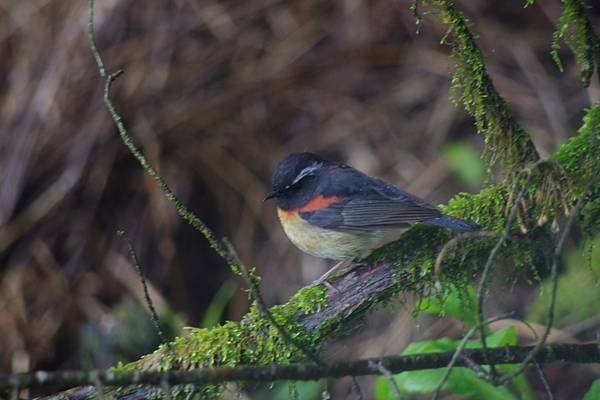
(182, 210)
(505, 139)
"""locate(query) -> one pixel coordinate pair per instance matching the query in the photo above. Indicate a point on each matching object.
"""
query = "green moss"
(253, 341)
(487, 207)
(590, 216)
(505, 140)
(576, 31)
(579, 156)
(309, 299)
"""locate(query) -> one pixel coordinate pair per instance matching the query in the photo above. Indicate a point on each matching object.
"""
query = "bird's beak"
(271, 195)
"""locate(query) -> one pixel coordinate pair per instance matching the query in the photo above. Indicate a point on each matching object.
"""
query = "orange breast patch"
(284, 215)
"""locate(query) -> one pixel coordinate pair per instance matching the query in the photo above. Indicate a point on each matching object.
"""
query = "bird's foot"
(340, 265)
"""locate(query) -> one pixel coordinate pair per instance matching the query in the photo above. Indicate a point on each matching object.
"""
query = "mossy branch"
(182, 210)
(505, 139)
(575, 29)
(315, 314)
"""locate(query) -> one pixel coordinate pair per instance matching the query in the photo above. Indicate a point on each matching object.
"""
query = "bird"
(333, 211)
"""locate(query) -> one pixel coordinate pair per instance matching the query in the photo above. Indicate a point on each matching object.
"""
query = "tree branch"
(577, 353)
(505, 139)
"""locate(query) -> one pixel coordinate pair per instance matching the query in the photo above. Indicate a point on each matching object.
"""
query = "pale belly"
(324, 243)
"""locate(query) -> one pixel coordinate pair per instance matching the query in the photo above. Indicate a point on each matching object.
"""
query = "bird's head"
(293, 172)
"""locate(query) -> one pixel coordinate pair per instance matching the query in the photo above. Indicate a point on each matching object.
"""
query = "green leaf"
(594, 392)
(462, 381)
(504, 337)
(508, 337)
(520, 384)
(460, 305)
(464, 161)
(216, 308)
(430, 346)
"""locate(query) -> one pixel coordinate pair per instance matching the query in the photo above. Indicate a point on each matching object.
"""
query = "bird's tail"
(456, 224)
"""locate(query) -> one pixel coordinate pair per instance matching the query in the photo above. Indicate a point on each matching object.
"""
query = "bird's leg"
(337, 266)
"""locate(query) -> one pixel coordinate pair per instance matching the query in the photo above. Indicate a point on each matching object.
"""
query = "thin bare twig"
(92, 39)
(544, 380)
(457, 353)
(138, 268)
(455, 241)
(556, 261)
(356, 388)
(98, 385)
(182, 210)
(477, 368)
(166, 387)
(390, 378)
(493, 253)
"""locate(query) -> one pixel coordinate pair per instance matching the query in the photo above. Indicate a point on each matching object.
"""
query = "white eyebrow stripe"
(307, 171)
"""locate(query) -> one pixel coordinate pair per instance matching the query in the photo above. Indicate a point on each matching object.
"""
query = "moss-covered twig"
(505, 140)
(556, 262)
(182, 210)
(575, 29)
(252, 280)
(483, 283)
(253, 284)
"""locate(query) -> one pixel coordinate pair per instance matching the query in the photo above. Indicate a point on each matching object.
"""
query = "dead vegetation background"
(215, 93)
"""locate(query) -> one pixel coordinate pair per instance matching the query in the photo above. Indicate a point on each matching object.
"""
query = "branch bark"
(578, 353)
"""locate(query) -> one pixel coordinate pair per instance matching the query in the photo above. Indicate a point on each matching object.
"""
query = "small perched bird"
(333, 211)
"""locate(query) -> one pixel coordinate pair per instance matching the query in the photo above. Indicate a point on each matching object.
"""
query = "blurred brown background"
(216, 92)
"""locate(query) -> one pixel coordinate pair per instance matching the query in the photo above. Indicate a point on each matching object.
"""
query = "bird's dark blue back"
(342, 179)
(362, 203)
